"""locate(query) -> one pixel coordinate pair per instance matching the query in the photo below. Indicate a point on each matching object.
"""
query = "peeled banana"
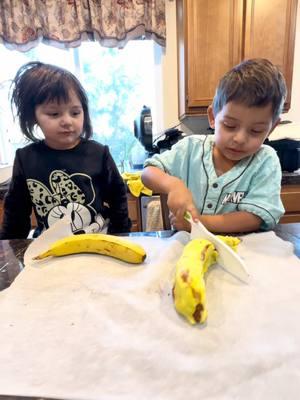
(189, 290)
(109, 245)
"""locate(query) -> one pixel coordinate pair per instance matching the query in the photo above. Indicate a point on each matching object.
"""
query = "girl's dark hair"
(36, 83)
(256, 82)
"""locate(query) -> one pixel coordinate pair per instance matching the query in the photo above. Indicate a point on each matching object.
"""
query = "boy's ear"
(274, 126)
(211, 117)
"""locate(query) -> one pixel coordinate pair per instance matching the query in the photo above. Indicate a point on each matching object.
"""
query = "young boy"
(229, 181)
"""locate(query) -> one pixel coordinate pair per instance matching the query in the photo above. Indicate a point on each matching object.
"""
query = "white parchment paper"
(91, 327)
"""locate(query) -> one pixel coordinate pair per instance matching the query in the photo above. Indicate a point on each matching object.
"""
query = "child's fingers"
(193, 211)
(180, 212)
(180, 225)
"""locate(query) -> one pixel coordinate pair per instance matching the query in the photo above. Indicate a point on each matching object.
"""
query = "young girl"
(66, 173)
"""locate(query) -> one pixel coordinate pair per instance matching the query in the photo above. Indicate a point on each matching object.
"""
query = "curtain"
(66, 23)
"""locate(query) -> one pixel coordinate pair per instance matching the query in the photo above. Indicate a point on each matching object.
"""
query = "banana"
(189, 292)
(109, 245)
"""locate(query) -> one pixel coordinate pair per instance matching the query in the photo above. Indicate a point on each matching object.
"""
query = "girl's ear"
(211, 117)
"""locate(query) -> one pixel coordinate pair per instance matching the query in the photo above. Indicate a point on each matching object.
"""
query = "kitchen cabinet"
(134, 211)
(213, 36)
(290, 196)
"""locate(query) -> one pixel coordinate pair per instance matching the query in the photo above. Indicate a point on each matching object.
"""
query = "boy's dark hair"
(254, 83)
(36, 83)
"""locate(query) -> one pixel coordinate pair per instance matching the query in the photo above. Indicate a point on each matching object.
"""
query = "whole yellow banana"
(109, 245)
(189, 290)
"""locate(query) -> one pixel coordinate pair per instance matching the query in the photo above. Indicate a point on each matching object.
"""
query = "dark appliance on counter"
(143, 132)
(143, 129)
(288, 151)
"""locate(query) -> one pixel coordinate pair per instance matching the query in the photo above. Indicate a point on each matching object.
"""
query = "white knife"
(227, 258)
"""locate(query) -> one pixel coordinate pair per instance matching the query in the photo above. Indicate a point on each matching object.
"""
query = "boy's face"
(61, 123)
(240, 130)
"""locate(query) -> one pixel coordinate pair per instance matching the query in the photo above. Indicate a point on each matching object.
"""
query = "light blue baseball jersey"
(252, 185)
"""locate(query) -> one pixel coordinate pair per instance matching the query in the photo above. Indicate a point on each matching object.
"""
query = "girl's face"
(61, 123)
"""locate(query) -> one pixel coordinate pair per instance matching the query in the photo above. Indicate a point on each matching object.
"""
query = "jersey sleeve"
(263, 197)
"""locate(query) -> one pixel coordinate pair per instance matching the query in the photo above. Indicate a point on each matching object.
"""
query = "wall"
(294, 113)
(170, 82)
(169, 69)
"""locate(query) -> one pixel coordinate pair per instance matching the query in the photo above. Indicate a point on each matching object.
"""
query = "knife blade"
(227, 258)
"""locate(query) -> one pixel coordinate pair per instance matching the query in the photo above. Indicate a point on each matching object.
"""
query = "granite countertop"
(291, 178)
(3, 189)
(11, 259)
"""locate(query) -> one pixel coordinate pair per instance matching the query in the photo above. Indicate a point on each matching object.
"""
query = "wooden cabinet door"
(270, 33)
(134, 212)
(290, 197)
(209, 44)
(213, 36)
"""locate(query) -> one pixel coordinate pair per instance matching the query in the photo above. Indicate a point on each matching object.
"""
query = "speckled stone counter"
(11, 259)
(3, 190)
(290, 178)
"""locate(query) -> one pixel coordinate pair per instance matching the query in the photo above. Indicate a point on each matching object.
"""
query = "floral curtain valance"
(65, 23)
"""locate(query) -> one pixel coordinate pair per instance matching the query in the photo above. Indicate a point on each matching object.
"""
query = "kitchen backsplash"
(195, 125)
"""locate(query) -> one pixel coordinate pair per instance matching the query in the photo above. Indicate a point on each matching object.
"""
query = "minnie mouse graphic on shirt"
(66, 198)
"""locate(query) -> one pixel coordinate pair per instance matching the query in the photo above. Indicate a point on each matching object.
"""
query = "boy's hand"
(179, 225)
(180, 200)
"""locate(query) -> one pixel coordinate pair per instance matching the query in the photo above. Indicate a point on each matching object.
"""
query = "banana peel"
(189, 291)
(98, 243)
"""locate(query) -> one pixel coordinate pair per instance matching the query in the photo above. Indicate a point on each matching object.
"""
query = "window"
(118, 84)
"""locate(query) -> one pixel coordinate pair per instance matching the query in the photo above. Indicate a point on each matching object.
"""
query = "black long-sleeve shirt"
(82, 182)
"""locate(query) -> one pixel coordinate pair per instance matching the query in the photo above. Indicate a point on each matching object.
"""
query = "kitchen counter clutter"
(90, 327)
(135, 189)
